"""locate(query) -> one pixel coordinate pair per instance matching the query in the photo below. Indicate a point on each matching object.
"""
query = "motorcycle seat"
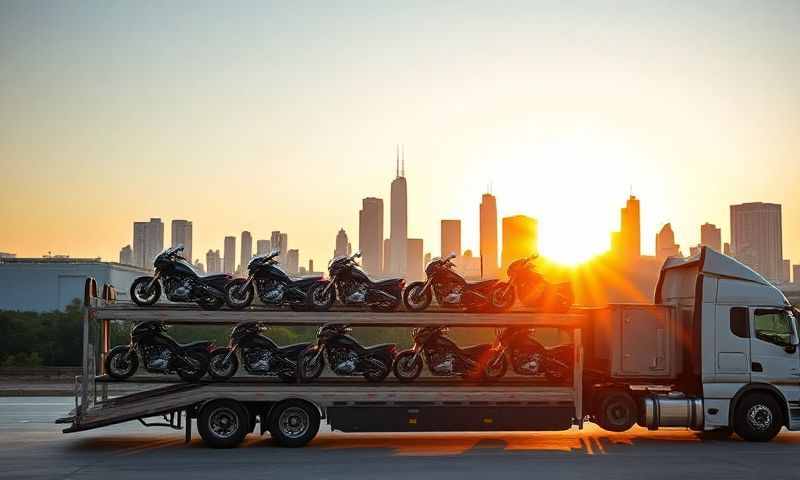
(294, 348)
(217, 276)
(198, 345)
(476, 349)
(481, 284)
(389, 282)
(379, 347)
(303, 282)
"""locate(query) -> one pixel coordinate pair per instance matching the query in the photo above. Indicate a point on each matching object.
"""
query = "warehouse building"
(45, 284)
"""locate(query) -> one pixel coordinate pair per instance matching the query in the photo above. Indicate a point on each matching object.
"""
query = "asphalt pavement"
(31, 446)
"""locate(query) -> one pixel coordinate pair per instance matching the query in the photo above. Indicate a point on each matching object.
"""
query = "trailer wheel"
(223, 423)
(617, 411)
(294, 423)
(758, 417)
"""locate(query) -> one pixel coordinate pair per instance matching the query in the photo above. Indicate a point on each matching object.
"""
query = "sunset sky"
(260, 117)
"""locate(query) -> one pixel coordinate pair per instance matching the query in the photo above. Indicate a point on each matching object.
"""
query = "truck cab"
(740, 344)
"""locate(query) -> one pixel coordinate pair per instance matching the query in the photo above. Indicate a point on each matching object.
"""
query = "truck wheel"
(617, 411)
(758, 417)
(294, 423)
(223, 423)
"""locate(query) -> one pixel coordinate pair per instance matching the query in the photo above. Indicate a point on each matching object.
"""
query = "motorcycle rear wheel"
(196, 373)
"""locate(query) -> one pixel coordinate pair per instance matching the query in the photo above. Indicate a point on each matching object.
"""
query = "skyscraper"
(370, 234)
(757, 237)
(451, 237)
(213, 262)
(263, 247)
(398, 234)
(665, 243)
(342, 248)
(414, 265)
(182, 235)
(630, 233)
(280, 242)
(247, 250)
(148, 241)
(711, 236)
(126, 255)
(488, 231)
(796, 274)
(387, 256)
(520, 238)
(292, 260)
(786, 271)
(229, 255)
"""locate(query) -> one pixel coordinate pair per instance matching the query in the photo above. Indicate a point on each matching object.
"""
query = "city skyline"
(503, 99)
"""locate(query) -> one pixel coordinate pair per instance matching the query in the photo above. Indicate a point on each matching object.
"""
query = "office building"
(148, 241)
(786, 271)
(342, 248)
(387, 256)
(796, 274)
(182, 235)
(292, 260)
(757, 237)
(414, 264)
(665, 244)
(126, 255)
(711, 236)
(520, 238)
(451, 237)
(280, 242)
(213, 262)
(488, 234)
(370, 235)
(229, 255)
(263, 247)
(246, 251)
(398, 228)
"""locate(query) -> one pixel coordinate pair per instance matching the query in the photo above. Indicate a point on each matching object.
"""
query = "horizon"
(272, 118)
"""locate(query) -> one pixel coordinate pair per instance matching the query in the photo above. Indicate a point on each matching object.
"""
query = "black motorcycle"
(181, 283)
(260, 355)
(352, 286)
(273, 285)
(450, 288)
(159, 353)
(532, 289)
(529, 357)
(446, 359)
(345, 355)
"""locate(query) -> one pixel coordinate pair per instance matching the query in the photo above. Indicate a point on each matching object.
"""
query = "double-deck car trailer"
(717, 351)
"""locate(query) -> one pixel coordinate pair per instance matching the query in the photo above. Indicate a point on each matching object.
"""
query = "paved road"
(31, 446)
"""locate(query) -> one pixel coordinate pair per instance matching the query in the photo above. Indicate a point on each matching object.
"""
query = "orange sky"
(259, 117)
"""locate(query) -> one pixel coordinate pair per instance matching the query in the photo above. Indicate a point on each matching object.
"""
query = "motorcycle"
(532, 289)
(159, 353)
(259, 354)
(273, 285)
(352, 286)
(529, 357)
(446, 359)
(345, 355)
(450, 288)
(181, 283)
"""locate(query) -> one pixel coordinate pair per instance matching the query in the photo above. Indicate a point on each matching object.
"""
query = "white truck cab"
(741, 339)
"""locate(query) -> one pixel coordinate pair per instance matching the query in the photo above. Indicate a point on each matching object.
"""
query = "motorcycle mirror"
(357, 255)
(451, 256)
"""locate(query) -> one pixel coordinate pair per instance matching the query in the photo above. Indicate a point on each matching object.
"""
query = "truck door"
(774, 359)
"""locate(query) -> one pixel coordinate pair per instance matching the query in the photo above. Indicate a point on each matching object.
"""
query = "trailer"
(701, 357)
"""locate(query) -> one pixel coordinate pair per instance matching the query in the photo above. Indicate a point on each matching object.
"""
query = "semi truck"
(717, 351)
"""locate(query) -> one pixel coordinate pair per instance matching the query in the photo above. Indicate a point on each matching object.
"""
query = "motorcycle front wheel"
(199, 362)
(143, 296)
(236, 296)
(495, 369)
(501, 297)
(307, 368)
(415, 299)
(119, 365)
(318, 300)
(218, 368)
(405, 367)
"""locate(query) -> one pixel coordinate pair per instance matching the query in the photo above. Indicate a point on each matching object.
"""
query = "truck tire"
(223, 423)
(758, 417)
(294, 423)
(617, 411)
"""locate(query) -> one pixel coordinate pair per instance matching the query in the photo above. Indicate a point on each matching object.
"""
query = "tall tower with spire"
(398, 231)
